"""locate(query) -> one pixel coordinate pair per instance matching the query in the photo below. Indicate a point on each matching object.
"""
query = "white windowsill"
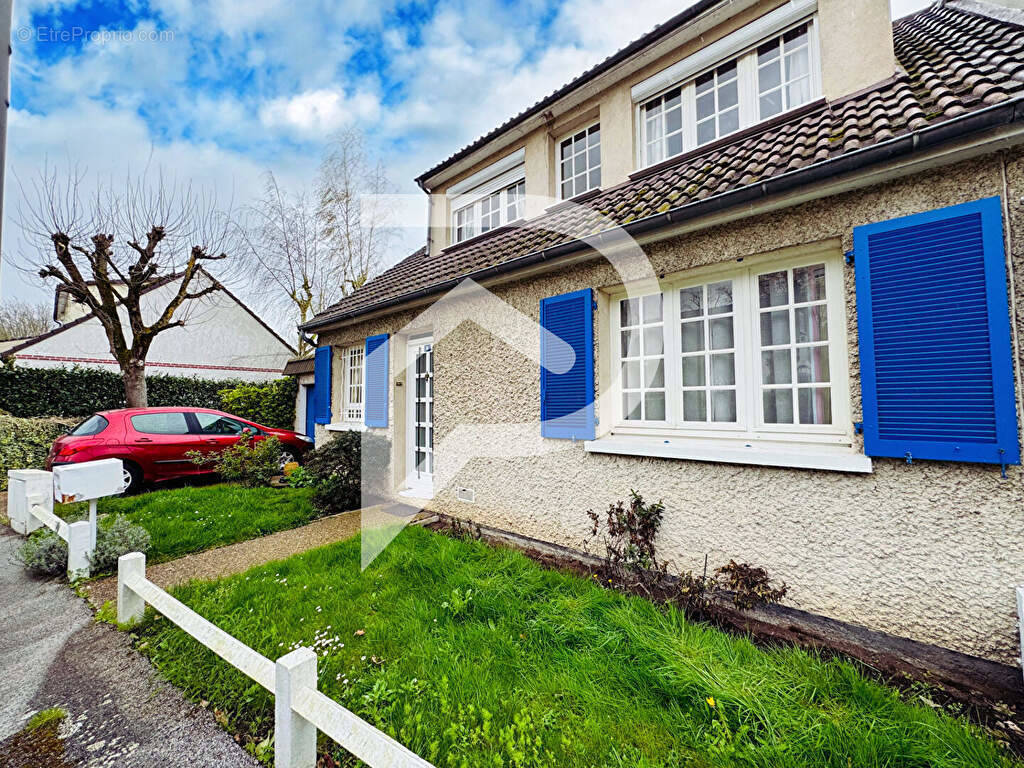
(346, 426)
(805, 457)
(423, 494)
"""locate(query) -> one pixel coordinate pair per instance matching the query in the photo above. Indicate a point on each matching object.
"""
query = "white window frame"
(558, 160)
(353, 389)
(749, 427)
(502, 184)
(749, 97)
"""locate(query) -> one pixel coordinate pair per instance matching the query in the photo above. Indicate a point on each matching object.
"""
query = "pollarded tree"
(109, 250)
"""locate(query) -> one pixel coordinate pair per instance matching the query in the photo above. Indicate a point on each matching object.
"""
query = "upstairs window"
(579, 162)
(777, 75)
(489, 211)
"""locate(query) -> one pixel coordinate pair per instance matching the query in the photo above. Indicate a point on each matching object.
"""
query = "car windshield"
(91, 426)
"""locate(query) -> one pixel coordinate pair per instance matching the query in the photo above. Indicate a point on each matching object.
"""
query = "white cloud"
(317, 113)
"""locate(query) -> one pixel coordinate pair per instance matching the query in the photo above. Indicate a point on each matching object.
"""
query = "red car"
(152, 442)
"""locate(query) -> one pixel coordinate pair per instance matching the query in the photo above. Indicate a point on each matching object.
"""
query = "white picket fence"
(300, 710)
(30, 506)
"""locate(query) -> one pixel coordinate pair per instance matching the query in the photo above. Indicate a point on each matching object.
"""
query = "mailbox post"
(88, 481)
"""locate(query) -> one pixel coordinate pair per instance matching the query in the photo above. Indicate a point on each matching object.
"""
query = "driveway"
(52, 654)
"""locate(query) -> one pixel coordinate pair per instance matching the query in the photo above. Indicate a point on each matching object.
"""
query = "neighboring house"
(221, 338)
(811, 383)
(305, 417)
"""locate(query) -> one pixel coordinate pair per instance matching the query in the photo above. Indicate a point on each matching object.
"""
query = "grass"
(476, 656)
(54, 715)
(181, 521)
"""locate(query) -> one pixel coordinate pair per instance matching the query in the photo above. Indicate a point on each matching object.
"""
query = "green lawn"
(475, 656)
(185, 520)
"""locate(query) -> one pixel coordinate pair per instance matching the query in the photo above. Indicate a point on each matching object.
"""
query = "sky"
(218, 92)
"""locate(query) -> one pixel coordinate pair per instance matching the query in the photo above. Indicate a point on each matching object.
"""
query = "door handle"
(143, 440)
(212, 440)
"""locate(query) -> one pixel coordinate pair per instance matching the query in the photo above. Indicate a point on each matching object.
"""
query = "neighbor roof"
(298, 366)
(962, 70)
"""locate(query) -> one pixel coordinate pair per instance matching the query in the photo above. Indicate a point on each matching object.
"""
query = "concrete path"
(237, 558)
(52, 654)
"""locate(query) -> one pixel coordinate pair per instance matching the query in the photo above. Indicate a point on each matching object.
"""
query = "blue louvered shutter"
(935, 353)
(376, 388)
(322, 385)
(567, 369)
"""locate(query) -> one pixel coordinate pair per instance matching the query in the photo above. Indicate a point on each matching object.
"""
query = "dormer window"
(579, 162)
(488, 199)
(768, 79)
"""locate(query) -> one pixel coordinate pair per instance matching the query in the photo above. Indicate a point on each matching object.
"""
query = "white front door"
(420, 409)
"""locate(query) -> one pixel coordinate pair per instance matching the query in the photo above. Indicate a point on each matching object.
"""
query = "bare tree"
(285, 247)
(21, 320)
(108, 249)
(317, 248)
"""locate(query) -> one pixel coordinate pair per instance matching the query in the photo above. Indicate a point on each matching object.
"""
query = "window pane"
(654, 406)
(815, 405)
(799, 92)
(771, 104)
(631, 343)
(693, 371)
(421, 387)
(774, 328)
(693, 336)
(723, 405)
(776, 367)
(729, 122)
(631, 374)
(631, 406)
(812, 364)
(705, 106)
(163, 423)
(728, 95)
(673, 120)
(797, 64)
(706, 132)
(691, 301)
(795, 37)
(695, 406)
(769, 76)
(567, 190)
(809, 284)
(421, 412)
(654, 373)
(721, 333)
(673, 98)
(674, 144)
(720, 298)
(773, 289)
(654, 341)
(594, 156)
(652, 308)
(566, 149)
(778, 406)
(767, 51)
(723, 370)
(811, 323)
(594, 136)
(629, 313)
(705, 82)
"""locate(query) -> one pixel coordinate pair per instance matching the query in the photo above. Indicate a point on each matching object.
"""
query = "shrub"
(629, 538)
(47, 392)
(24, 443)
(252, 465)
(335, 469)
(117, 537)
(271, 404)
(45, 553)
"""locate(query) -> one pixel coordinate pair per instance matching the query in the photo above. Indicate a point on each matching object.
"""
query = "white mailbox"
(88, 480)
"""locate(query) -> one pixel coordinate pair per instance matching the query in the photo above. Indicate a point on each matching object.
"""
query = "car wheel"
(286, 457)
(132, 478)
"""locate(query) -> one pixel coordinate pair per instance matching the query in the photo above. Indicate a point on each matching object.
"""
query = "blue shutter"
(935, 354)
(322, 385)
(376, 388)
(567, 391)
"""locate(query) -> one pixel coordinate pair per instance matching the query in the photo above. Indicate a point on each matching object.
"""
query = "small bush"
(629, 535)
(251, 465)
(743, 585)
(45, 553)
(24, 443)
(115, 538)
(335, 469)
(271, 404)
(299, 478)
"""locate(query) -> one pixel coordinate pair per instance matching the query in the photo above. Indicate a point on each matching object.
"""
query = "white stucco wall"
(220, 340)
(931, 551)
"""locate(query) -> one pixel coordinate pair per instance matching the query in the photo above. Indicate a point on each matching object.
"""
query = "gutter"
(1004, 113)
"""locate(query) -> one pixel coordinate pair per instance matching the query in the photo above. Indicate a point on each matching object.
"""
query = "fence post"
(130, 607)
(79, 538)
(22, 484)
(294, 736)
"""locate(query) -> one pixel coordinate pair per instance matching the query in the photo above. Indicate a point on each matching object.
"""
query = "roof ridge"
(1002, 13)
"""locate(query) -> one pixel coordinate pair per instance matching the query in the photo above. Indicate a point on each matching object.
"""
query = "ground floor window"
(747, 350)
(352, 390)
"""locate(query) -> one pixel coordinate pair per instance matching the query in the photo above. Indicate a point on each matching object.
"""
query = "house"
(816, 364)
(221, 338)
(305, 416)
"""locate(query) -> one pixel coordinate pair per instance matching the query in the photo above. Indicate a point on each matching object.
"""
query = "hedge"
(271, 404)
(24, 443)
(78, 392)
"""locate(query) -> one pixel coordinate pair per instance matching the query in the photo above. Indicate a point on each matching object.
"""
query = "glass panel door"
(421, 395)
